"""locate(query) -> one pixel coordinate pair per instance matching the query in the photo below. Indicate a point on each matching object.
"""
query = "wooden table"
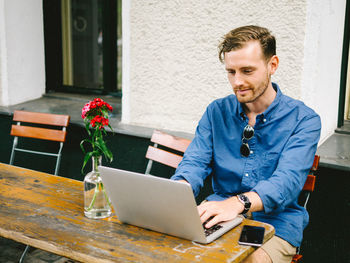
(46, 212)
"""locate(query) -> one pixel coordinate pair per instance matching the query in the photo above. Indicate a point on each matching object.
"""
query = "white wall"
(22, 63)
(172, 59)
(322, 60)
(3, 57)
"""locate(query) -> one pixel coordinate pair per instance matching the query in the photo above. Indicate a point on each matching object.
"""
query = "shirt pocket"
(267, 165)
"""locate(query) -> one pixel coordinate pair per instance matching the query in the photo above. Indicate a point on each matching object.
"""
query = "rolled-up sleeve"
(195, 165)
(285, 184)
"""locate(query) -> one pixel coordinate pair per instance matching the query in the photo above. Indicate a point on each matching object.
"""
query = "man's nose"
(238, 80)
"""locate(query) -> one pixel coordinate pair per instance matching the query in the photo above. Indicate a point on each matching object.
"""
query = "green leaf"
(87, 158)
(100, 143)
(111, 128)
(96, 133)
(82, 142)
(87, 126)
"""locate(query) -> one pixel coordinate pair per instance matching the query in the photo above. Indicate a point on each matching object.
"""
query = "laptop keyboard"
(210, 230)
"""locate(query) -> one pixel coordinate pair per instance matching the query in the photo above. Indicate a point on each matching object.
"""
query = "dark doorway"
(81, 50)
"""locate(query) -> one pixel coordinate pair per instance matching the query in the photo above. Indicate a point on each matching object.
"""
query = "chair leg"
(149, 166)
(15, 140)
(58, 161)
(24, 254)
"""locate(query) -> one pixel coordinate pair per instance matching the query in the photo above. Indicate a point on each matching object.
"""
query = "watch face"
(244, 198)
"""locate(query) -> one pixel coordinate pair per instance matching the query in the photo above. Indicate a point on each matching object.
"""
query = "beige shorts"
(279, 250)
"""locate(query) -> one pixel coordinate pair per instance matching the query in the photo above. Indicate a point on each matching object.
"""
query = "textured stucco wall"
(174, 68)
(3, 57)
(22, 67)
(171, 66)
(322, 60)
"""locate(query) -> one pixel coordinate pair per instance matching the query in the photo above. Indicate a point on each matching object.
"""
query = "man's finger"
(205, 216)
(212, 222)
(202, 208)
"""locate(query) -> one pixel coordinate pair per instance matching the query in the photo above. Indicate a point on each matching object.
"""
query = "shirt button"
(264, 120)
(247, 175)
(251, 152)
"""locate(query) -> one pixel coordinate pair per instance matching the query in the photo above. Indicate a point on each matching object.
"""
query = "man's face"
(248, 71)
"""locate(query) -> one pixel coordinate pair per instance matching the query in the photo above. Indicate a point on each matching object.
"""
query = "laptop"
(159, 204)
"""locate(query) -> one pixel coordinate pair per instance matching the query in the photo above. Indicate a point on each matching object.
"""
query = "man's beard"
(257, 92)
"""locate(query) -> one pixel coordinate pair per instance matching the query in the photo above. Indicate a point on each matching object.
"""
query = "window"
(83, 46)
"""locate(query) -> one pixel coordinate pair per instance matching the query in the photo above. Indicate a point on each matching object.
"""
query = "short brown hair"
(237, 38)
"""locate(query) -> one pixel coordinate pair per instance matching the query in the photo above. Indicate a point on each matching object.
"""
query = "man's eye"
(247, 71)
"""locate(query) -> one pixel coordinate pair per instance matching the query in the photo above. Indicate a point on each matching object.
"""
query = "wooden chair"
(308, 188)
(164, 156)
(50, 134)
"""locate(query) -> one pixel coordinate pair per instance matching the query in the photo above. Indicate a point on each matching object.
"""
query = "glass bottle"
(96, 202)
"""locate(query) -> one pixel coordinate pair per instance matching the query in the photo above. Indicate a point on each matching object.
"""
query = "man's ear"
(273, 64)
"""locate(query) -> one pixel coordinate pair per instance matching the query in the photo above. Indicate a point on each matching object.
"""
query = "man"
(258, 145)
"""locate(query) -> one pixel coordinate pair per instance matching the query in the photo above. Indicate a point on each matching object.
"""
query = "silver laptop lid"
(155, 203)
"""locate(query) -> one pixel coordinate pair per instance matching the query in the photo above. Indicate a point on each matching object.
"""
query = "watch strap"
(245, 201)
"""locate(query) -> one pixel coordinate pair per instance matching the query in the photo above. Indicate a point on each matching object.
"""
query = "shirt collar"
(270, 109)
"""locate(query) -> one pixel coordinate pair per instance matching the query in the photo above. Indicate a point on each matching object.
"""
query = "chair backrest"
(163, 156)
(37, 132)
(308, 188)
(311, 178)
(49, 132)
(309, 185)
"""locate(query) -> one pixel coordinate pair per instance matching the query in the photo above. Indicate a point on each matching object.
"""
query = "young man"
(258, 145)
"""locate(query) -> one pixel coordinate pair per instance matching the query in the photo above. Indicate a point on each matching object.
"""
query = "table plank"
(46, 211)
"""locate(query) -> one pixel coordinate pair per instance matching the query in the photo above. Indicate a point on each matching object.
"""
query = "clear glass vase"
(96, 202)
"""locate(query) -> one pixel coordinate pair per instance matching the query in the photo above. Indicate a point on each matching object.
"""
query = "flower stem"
(98, 185)
(105, 194)
(94, 197)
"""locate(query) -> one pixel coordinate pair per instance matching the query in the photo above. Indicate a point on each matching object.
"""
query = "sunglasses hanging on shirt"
(248, 133)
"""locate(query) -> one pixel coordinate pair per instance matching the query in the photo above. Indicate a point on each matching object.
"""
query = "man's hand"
(228, 209)
(221, 210)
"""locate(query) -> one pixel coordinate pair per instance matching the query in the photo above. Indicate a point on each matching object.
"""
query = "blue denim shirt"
(283, 149)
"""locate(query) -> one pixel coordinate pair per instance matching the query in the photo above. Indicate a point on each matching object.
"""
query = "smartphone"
(252, 236)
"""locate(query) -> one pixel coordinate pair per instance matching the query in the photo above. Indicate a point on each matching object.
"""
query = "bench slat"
(163, 157)
(38, 133)
(170, 141)
(310, 183)
(41, 118)
(315, 163)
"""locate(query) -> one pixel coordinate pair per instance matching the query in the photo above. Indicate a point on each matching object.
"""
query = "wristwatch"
(245, 201)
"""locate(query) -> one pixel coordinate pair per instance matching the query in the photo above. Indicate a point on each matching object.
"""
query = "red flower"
(109, 107)
(105, 121)
(85, 110)
(95, 115)
(92, 105)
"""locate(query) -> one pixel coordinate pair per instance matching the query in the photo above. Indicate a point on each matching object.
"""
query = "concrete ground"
(11, 251)
(71, 104)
